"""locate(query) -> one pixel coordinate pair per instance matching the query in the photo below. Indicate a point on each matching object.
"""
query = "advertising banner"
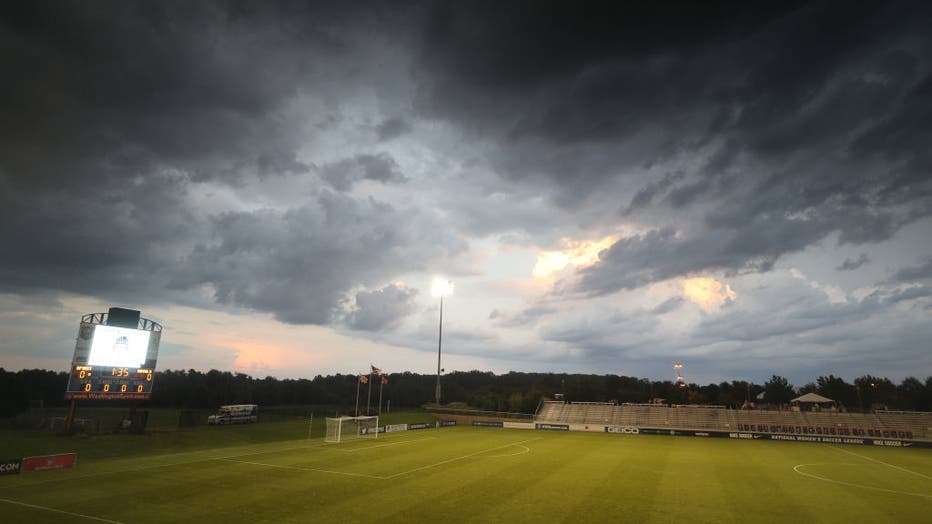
(447, 423)
(396, 427)
(11, 466)
(683, 432)
(553, 427)
(422, 425)
(627, 430)
(893, 443)
(488, 423)
(45, 462)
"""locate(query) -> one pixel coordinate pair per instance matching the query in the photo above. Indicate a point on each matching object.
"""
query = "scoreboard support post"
(70, 416)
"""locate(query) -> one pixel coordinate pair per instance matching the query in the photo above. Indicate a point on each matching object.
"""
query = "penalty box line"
(381, 477)
(441, 463)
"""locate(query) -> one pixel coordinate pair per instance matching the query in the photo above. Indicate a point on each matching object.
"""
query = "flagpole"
(357, 395)
(369, 396)
(381, 383)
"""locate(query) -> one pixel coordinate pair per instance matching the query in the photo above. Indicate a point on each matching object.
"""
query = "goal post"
(341, 429)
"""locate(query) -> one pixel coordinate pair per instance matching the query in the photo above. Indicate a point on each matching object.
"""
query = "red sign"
(59, 461)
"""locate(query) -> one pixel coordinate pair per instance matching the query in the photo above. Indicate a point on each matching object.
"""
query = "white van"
(235, 414)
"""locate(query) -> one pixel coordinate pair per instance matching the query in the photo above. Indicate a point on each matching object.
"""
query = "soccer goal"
(349, 428)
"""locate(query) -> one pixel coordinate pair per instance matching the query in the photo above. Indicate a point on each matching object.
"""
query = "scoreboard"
(113, 362)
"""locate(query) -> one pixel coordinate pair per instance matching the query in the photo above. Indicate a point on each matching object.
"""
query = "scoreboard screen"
(113, 362)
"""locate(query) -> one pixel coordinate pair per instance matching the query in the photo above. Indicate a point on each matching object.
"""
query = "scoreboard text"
(105, 382)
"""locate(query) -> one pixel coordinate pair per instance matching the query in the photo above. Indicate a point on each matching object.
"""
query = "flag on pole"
(384, 380)
(375, 370)
(364, 379)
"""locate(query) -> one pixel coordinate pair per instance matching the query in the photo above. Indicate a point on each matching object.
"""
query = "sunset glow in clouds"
(708, 293)
(575, 254)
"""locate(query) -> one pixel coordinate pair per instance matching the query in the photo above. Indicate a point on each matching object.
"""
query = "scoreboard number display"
(113, 362)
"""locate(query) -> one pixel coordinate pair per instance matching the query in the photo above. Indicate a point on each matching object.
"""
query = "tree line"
(511, 392)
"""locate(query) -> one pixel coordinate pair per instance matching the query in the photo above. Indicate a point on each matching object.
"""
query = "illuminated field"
(482, 475)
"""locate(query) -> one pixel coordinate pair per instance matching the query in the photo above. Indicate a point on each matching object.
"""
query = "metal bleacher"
(717, 418)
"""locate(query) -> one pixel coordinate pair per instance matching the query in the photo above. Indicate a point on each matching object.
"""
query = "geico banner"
(396, 427)
(41, 463)
(11, 466)
(487, 423)
(628, 430)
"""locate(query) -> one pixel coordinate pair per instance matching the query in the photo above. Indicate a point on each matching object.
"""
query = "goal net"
(349, 428)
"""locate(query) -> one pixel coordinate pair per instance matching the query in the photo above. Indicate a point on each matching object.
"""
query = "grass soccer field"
(482, 475)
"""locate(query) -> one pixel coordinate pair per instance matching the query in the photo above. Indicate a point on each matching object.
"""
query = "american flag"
(384, 381)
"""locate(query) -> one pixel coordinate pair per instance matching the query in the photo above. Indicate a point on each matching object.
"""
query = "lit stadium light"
(441, 288)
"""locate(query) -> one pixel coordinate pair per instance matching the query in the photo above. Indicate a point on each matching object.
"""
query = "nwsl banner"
(891, 443)
(42, 463)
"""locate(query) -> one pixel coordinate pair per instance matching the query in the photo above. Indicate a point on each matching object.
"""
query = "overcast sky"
(611, 189)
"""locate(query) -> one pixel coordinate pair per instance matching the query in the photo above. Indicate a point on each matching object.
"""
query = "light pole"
(439, 289)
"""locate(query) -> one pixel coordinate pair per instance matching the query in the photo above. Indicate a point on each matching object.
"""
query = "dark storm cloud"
(922, 271)
(380, 167)
(394, 127)
(851, 265)
(645, 197)
(299, 264)
(798, 120)
(382, 308)
(113, 112)
(525, 317)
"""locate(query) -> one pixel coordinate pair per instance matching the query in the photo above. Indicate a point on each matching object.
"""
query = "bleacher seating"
(715, 418)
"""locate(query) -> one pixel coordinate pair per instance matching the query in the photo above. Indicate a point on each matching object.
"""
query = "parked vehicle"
(235, 414)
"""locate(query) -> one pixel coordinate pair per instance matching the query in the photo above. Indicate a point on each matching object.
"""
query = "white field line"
(8, 501)
(299, 468)
(833, 481)
(367, 448)
(382, 477)
(526, 450)
(882, 462)
(459, 458)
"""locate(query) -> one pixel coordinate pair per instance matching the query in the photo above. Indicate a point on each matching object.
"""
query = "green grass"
(240, 474)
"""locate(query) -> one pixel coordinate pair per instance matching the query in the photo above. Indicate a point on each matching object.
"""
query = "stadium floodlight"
(341, 429)
(440, 288)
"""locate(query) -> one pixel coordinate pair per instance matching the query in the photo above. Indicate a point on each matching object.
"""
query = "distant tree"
(778, 390)
(810, 387)
(910, 394)
(876, 390)
(838, 390)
